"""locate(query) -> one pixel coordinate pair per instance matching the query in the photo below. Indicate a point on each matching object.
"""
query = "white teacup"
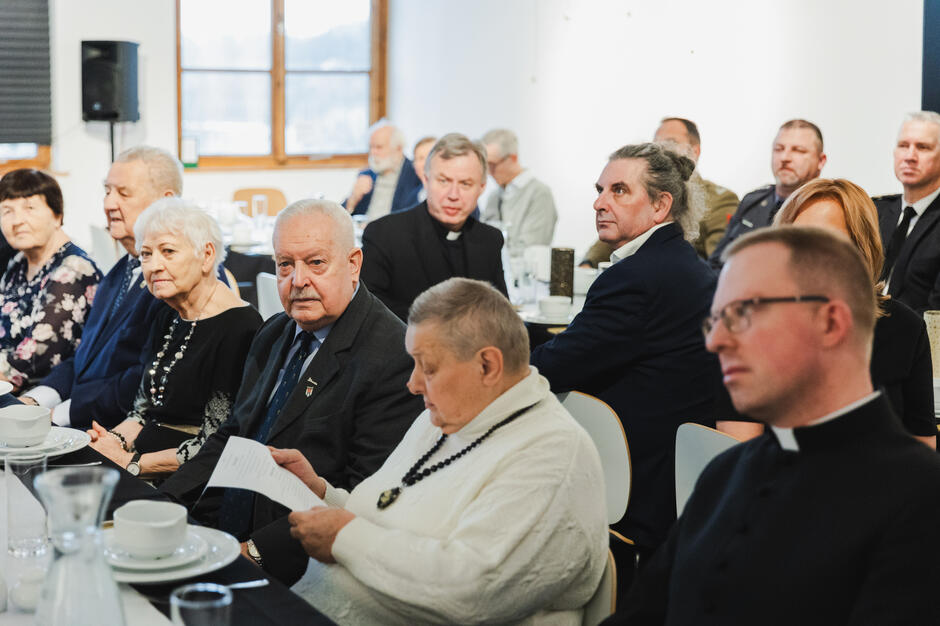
(555, 307)
(24, 425)
(149, 529)
(583, 277)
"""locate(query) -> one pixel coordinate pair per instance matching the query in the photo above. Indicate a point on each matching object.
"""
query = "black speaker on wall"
(109, 81)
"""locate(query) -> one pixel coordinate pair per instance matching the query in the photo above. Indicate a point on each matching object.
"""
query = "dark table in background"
(274, 604)
(245, 267)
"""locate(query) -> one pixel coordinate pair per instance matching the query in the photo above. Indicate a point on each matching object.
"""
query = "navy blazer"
(103, 375)
(406, 191)
(915, 280)
(637, 345)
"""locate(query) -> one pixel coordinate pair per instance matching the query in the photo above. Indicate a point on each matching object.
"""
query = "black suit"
(403, 254)
(355, 415)
(757, 210)
(841, 532)
(915, 279)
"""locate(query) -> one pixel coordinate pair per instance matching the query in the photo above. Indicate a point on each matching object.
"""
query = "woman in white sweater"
(490, 510)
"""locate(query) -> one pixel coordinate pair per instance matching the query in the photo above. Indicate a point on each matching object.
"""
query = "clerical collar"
(787, 439)
(444, 232)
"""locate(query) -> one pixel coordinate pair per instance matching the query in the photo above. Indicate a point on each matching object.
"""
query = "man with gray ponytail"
(637, 344)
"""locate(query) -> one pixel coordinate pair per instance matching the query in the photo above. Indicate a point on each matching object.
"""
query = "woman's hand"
(297, 464)
(317, 528)
(108, 445)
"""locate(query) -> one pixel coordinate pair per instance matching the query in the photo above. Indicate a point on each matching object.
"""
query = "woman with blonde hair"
(900, 360)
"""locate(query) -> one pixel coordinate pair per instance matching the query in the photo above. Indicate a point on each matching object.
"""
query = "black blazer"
(915, 280)
(841, 532)
(358, 411)
(756, 210)
(402, 255)
(901, 367)
(637, 345)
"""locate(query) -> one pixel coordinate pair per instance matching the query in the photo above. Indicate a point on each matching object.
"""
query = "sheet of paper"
(247, 464)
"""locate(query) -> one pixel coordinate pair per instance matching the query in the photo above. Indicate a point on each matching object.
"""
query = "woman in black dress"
(900, 361)
(198, 344)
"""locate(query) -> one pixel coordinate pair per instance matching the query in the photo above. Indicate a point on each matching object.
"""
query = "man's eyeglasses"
(494, 164)
(736, 316)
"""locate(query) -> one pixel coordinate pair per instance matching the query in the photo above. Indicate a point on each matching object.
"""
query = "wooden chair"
(269, 302)
(696, 446)
(604, 601)
(276, 199)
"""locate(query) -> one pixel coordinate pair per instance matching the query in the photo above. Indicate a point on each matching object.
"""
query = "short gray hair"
(669, 172)
(474, 315)
(454, 145)
(930, 117)
(504, 139)
(343, 228)
(164, 169)
(184, 219)
(396, 139)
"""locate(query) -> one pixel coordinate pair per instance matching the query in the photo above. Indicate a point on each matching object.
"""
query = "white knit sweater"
(515, 531)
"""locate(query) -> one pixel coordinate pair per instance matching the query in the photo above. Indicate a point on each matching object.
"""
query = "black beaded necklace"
(415, 474)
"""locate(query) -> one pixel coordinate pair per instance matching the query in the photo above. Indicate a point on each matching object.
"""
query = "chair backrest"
(604, 601)
(276, 198)
(602, 424)
(696, 446)
(269, 302)
(103, 249)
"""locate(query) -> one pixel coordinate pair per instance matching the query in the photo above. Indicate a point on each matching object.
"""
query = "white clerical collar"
(921, 205)
(788, 440)
(630, 248)
(453, 235)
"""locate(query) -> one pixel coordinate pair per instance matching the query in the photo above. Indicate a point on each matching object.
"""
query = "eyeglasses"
(494, 164)
(736, 316)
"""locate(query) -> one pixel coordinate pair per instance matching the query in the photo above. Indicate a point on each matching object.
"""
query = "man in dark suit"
(405, 253)
(829, 516)
(391, 183)
(912, 236)
(328, 377)
(100, 381)
(637, 343)
(797, 157)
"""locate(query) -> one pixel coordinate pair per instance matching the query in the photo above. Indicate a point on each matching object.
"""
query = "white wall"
(575, 78)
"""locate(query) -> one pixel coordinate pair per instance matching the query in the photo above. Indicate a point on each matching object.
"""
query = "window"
(279, 83)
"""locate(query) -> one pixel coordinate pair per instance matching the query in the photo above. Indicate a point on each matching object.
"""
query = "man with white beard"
(390, 184)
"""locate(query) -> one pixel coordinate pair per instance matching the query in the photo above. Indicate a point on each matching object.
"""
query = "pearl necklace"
(156, 390)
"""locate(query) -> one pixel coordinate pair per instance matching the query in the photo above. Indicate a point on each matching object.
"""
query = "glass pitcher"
(79, 589)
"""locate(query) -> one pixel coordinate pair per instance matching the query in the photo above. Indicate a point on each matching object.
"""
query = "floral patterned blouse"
(41, 318)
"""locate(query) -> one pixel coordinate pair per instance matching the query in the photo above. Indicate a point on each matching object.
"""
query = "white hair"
(344, 230)
(504, 139)
(184, 219)
(924, 116)
(396, 138)
(164, 170)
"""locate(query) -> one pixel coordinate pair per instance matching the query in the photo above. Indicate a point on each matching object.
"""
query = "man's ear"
(491, 364)
(836, 322)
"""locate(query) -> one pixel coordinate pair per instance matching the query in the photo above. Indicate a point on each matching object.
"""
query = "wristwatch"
(253, 552)
(133, 468)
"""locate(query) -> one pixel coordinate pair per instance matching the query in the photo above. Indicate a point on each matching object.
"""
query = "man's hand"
(28, 400)
(361, 187)
(317, 528)
(296, 463)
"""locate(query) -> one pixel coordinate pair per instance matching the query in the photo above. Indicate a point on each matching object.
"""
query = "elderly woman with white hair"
(490, 510)
(197, 348)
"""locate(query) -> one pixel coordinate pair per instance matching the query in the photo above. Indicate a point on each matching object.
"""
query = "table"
(275, 604)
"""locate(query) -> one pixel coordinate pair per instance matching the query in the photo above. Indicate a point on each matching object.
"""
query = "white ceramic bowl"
(555, 306)
(24, 425)
(148, 529)
(583, 277)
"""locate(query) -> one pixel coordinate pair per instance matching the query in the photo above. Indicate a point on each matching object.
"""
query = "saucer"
(193, 547)
(222, 550)
(562, 320)
(59, 441)
(5, 387)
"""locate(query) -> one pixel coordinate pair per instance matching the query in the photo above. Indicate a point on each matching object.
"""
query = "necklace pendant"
(388, 497)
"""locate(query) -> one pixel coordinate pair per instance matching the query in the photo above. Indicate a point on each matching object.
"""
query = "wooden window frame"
(278, 158)
(41, 161)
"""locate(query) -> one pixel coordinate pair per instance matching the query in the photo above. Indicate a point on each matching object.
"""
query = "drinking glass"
(27, 534)
(201, 604)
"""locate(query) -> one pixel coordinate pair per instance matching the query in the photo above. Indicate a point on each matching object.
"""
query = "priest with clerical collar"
(405, 253)
(829, 516)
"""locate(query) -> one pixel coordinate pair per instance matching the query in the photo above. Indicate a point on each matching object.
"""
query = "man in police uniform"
(683, 137)
(796, 159)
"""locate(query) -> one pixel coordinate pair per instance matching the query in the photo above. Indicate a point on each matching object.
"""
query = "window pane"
(327, 114)
(10, 151)
(228, 113)
(327, 35)
(225, 34)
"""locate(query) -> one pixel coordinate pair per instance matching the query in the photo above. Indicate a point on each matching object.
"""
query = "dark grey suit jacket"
(357, 411)
(915, 280)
